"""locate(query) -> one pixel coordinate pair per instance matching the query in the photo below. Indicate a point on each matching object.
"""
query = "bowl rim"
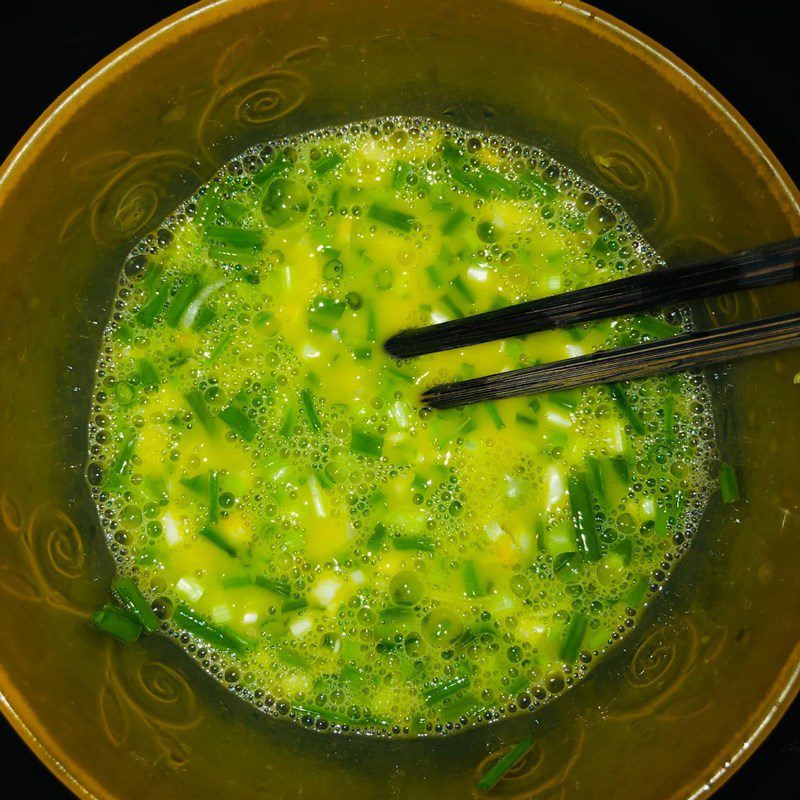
(207, 12)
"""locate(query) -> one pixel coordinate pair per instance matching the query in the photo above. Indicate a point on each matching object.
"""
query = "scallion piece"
(147, 314)
(583, 519)
(656, 328)
(366, 443)
(122, 462)
(118, 623)
(235, 238)
(446, 689)
(277, 166)
(239, 422)
(469, 575)
(391, 217)
(181, 300)
(573, 636)
(454, 221)
(212, 535)
(452, 306)
(434, 277)
(462, 288)
(148, 373)
(325, 164)
(128, 593)
(728, 483)
(307, 401)
(376, 537)
(424, 543)
(280, 588)
(216, 635)
(493, 775)
(622, 401)
(233, 211)
(213, 496)
(207, 206)
(195, 401)
(494, 415)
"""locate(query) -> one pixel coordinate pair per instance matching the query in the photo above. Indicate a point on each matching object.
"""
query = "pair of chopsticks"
(768, 265)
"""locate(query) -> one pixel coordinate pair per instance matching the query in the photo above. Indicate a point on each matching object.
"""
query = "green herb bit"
(213, 496)
(494, 415)
(218, 540)
(287, 425)
(583, 519)
(233, 211)
(566, 400)
(573, 636)
(325, 164)
(184, 294)
(122, 462)
(391, 217)
(469, 575)
(277, 166)
(128, 593)
(326, 714)
(366, 443)
(454, 221)
(462, 288)
(230, 255)
(195, 401)
(669, 418)
(656, 328)
(239, 422)
(197, 484)
(400, 173)
(293, 604)
(376, 537)
(636, 595)
(146, 315)
(544, 192)
(117, 622)
(728, 483)
(622, 401)
(218, 636)
(434, 277)
(280, 588)
(493, 775)
(148, 374)
(524, 419)
(207, 206)
(307, 401)
(423, 543)
(205, 316)
(237, 239)
(452, 306)
(446, 689)
(372, 324)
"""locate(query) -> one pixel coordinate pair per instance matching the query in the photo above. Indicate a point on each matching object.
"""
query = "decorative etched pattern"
(50, 543)
(629, 168)
(138, 191)
(724, 309)
(140, 691)
(541, 772)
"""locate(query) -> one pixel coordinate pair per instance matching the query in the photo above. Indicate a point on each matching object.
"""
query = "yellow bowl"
(713, 663)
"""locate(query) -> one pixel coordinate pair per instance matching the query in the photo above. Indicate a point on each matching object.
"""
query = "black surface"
(748, 53)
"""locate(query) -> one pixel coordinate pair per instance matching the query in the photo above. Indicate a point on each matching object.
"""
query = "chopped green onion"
(233, 211)
(376, 538)
(389, 216)
(524, 419)
(280, 588)
(434, 277)
(218, 540)
(469, 575)
(455, 219)
(622, 401)
(181, 300)
(277, 166)
(293, 604)
(128, 592)
(148, 373)
(195, 401)
(307, 400)
(207, 206)
(327, 163)
(147, 314)
(216, 635)
(728, 483)
(425, 543)
(287, 426)
(462, 288)
(503, 765)
(573, 636)
(213, 496)
(494, 414)
(117, 622)
(239, 422)
(366, 443)
(656, 328)
(452, 306)
(583, 518)
(446, 689)
(235, 238)
(122, 462)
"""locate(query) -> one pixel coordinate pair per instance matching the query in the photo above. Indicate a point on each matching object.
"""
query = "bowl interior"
(716, 651)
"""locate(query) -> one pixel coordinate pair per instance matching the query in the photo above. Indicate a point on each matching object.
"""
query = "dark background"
(749, 55)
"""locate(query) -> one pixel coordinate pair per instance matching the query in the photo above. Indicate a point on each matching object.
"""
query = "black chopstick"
(762, 266)
(698, 349)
